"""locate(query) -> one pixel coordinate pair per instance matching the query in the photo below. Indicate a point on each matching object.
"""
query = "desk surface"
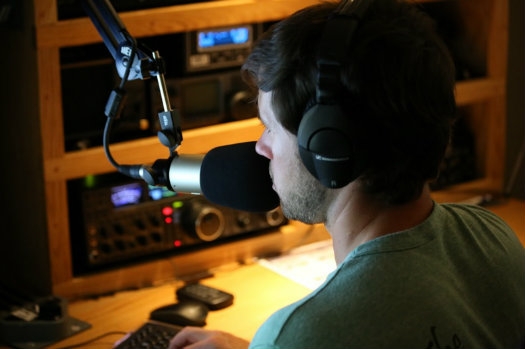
(258, 293)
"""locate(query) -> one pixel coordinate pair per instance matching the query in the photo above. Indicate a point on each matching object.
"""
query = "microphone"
(234, 176)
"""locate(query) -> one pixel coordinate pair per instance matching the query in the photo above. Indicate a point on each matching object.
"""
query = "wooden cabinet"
(483, 27)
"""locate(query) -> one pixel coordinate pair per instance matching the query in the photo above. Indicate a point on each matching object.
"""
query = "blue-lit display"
(128, 194)
(224, 37)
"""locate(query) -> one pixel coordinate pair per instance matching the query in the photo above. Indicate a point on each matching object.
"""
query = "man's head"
(396, 90)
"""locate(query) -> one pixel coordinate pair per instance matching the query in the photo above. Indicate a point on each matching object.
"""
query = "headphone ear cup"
(325, 145)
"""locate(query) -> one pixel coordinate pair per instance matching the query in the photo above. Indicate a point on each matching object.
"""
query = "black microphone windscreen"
(236, 176)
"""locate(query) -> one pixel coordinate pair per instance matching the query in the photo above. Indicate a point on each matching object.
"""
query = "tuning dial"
(203, 220)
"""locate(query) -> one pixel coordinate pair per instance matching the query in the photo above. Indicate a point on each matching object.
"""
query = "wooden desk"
(258, 293)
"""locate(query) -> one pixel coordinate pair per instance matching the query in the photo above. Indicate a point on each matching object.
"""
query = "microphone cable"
(115, 104)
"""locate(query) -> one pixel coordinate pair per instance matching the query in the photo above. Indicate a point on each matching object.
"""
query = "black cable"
(110, 120)
(105, 142)
(90, 341)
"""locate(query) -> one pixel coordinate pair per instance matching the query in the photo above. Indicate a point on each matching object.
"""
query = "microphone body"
(184, 174)
(234, 176)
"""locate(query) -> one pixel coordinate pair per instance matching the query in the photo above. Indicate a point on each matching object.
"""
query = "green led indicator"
(90, 181)
(177, 204)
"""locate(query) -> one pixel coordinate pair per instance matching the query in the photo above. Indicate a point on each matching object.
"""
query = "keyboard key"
(151, 335)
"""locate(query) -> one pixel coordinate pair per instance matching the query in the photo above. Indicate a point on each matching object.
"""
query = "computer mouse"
(183, 313)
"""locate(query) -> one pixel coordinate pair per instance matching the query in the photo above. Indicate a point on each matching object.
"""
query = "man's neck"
(355, 218)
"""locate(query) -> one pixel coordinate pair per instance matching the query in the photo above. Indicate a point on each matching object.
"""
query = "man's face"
(302, 197)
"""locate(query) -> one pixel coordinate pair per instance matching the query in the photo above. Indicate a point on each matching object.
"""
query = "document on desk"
(308, 265)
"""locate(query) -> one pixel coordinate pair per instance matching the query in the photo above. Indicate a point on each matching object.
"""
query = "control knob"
(203, 220)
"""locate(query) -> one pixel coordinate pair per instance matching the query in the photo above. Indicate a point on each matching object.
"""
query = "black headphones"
(324, 136)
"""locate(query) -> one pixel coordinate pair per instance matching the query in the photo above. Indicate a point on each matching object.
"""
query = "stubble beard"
(304, 199)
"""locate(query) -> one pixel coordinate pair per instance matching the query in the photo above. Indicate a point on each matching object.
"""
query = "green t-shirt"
(455, 281)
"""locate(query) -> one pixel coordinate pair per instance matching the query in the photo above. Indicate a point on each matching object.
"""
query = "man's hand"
(198, 338)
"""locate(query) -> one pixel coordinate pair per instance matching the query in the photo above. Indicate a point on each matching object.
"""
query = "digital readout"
(210, 39)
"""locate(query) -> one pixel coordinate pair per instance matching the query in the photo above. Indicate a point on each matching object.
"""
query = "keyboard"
(151, 335)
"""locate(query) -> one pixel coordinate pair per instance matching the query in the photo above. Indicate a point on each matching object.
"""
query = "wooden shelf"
(171, 19)
(479, 90)
(197, 141)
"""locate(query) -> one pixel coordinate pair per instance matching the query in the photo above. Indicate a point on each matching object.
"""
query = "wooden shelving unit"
(485, 26)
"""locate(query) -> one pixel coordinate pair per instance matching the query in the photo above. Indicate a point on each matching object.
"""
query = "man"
(411, 272)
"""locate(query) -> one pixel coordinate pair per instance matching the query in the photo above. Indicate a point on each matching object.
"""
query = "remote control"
(212, 297)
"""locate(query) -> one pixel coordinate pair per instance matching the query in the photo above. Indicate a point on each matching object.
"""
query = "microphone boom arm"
(118, 40)
(133, 63)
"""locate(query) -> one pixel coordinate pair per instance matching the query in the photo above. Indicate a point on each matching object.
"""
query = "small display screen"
(217, 39)
(136, 193)
(127, 194)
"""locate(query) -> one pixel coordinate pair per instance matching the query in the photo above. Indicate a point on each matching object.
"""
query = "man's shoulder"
(472, 217)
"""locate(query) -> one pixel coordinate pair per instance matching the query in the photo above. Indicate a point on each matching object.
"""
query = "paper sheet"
(307, 265)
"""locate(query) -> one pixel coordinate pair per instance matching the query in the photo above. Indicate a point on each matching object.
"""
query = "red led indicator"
(177, 243)
(167, 211)
(168, 220)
